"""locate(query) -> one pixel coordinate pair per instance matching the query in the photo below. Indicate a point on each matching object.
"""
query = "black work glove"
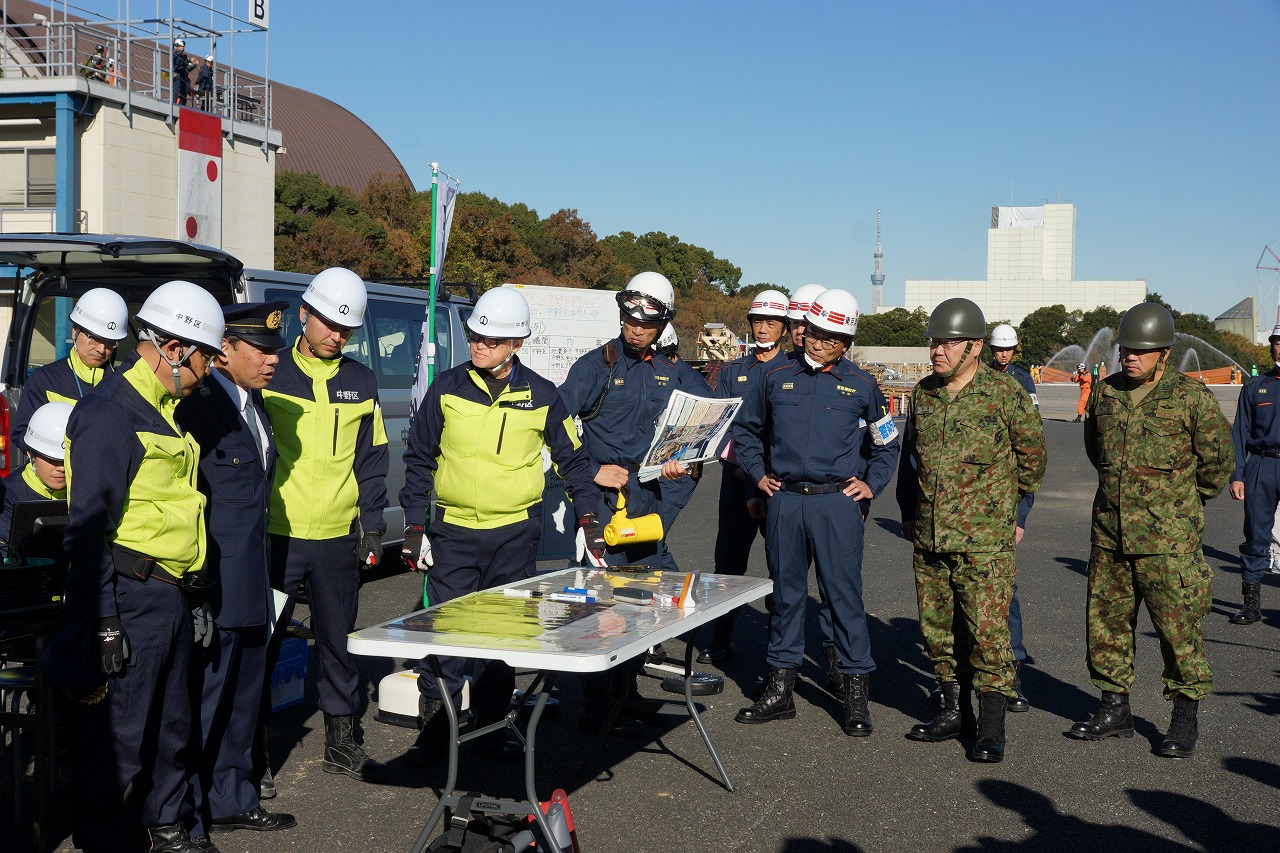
(591, 542)
(113, 645)
(369, 551)
(416, 551)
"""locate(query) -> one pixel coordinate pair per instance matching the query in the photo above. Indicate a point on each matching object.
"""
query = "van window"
(397, 329)
(51, 333)
(357, 347)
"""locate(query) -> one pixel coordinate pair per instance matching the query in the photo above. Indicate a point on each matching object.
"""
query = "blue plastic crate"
(289, 675)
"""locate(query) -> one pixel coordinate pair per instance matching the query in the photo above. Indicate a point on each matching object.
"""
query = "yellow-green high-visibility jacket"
(62, 381)
(483, 457)
(131, 482)
(331, 445)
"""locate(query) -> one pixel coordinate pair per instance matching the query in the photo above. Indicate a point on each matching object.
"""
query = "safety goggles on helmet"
(643, 307)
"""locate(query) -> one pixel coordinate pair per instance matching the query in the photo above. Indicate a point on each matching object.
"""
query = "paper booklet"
(691, 429)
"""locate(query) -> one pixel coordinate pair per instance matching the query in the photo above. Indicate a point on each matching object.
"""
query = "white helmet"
(648, 296)
(500, 313)
(186, 311)
(668, 339)
(800, 301)
(769, 303)
(1082, 366)
(102, 313)
(835, 311)
(338, 295)
(1004, 336)
(47, 431)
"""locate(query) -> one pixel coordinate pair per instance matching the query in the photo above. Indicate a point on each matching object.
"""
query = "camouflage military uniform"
(1158, 463)
(967, 458)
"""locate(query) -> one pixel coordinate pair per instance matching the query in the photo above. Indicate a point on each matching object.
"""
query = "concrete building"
(92, 138)
(1030, 264)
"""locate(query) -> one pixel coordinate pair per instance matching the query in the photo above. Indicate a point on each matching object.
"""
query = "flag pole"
(430, 348)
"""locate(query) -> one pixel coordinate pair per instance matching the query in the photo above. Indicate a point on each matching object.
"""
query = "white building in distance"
(1031, 262)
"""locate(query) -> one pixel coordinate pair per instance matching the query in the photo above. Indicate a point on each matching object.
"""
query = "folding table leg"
(693, 712)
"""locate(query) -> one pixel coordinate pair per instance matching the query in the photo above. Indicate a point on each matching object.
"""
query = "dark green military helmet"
(957, 318)
(1147, 325)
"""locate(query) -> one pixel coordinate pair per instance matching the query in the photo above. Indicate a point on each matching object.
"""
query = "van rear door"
(50, 271)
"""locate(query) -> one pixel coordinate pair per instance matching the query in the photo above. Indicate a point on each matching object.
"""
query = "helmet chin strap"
(816, 365)
(766, 346)
(968, 348)
(1160, 362)
(498, 368)
(175, 366)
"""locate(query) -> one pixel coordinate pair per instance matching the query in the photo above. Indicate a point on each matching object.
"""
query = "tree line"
(385, 232)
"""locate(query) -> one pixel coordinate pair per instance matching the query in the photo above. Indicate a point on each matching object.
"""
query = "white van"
(50, 271)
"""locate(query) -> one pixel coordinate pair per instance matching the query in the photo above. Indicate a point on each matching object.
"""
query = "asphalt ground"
(802, 785)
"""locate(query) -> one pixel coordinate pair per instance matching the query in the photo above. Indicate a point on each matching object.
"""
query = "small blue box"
(289, 675)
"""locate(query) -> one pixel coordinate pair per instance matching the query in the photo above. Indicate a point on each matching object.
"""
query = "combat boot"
(857, 718)
(948, 723)
(344, 752)
(1019, 703)
(776, 703)
(835, 678)
(1184, 730)
(989, 747)
(432, 742)
(1251, 609)
(1112, 719)
(171, 838)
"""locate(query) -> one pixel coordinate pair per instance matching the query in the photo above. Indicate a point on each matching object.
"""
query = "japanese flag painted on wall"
(199, 177)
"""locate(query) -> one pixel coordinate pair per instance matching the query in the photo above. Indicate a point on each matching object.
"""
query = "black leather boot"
(835, 678)
(171, 838)
(1019, 703)
(721, 649)
(776, 703)
(989, 747)
(857, 718)
(1251, 609)
(947, 724)
(1184, 730)
(936, 694)
(432, 742)
(344, 752)
(1112, 719)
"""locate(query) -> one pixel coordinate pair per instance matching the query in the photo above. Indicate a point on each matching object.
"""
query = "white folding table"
(552, 637)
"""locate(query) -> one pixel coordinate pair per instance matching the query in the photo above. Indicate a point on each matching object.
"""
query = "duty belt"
(815, 488)
(1271, 454)
(133, 564)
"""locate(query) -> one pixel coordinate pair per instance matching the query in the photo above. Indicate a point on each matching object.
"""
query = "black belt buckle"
(813, 488)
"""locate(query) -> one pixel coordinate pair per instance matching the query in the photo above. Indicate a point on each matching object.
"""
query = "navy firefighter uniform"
(736, 530)
(809, 429)
(135, 539)
(619, 397)
(1023, 376)
(1255, 436)
(478, 450)
(237, 461)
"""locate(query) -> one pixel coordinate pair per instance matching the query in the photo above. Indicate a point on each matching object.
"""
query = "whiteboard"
(566, 323)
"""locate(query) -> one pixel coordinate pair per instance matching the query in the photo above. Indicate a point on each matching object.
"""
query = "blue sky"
(770, 133)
